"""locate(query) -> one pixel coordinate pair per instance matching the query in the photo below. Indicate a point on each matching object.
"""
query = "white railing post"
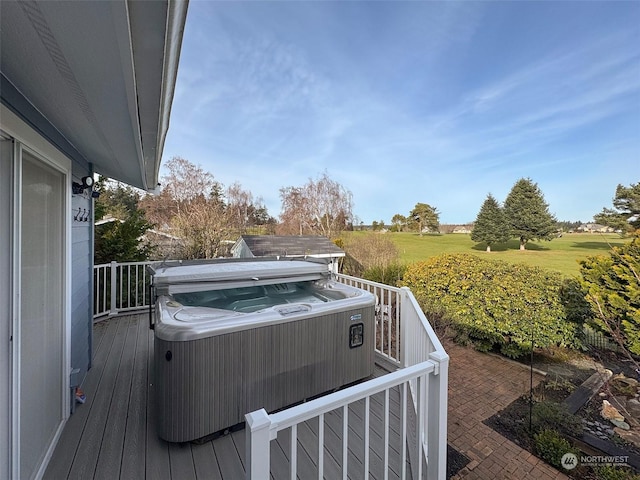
(113, 305)
(437, 425)
(258, 445)
(405, 328)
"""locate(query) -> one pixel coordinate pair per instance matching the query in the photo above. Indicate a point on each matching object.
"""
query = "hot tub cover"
(224, 275)
(229, 272)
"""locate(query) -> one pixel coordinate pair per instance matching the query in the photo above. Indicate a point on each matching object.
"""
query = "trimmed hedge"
(493, 304)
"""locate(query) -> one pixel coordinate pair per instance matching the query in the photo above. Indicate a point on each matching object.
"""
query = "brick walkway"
(479, 386)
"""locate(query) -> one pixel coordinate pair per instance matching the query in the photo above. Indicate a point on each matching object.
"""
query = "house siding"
(81, 279)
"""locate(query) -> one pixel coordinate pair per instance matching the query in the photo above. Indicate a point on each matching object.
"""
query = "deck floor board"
(133, 455)
(112, 435)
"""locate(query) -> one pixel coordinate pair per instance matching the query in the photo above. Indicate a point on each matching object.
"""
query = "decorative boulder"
(609, 412)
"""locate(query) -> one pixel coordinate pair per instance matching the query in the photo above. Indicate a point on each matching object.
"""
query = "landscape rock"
(609, 412)
(633, 407)
(623, 425)
(619, 402)
(632, 382)
(631, 436)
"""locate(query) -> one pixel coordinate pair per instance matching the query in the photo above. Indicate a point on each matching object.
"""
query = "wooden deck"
(113, 436)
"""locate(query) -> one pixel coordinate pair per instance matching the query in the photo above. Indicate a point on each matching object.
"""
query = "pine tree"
(625, 215)
(613, 290)
(490, 226)
(528, 214)
(424, 216)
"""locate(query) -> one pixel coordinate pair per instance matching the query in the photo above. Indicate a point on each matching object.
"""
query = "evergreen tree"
(626, 213)
(424, 216)
(613, 291)
(119, 239)
(490, 226)
(528, 214)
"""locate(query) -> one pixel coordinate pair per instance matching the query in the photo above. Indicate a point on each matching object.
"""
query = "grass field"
(560, 254)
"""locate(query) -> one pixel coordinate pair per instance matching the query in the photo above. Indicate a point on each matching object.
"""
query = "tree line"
(201, 218)
(525, 215)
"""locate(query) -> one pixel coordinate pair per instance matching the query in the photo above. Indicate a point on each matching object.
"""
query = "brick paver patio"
(479, 386)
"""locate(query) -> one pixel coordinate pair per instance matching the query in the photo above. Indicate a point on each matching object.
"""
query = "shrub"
(615, 473)
(573, 298)
(613, 291)
(550, 415)
(389, 275)
(550, 447)
(495, 304)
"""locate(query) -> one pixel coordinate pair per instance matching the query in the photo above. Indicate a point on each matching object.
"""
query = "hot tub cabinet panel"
(213, 366)
(209, 384)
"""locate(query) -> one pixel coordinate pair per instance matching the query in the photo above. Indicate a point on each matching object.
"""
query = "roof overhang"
(102, 74)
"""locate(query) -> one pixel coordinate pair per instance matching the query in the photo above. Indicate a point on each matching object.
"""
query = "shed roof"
(290, 245)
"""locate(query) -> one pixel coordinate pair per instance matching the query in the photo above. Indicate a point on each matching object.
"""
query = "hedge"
(494, 304)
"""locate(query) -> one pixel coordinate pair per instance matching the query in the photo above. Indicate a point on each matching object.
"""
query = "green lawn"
(561, 254)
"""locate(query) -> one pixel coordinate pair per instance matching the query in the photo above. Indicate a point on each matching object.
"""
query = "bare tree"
(294, 218)
(321, 207)
(184, 183)
(204, 226)
(191, 206)
(187, 181)
(244, 210)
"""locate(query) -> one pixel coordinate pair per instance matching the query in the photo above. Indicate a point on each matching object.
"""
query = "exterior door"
(42, 310)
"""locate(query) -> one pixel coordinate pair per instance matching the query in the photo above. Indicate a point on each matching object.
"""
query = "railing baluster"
(136, 303)
(388, 308)
(345, 443)
(386, 434)
(129, 286)
(403, 428)
(119, 304)
(366, 436)
(113, 304)
(397, 318)
(321, 446)
(144, 287)
(294, 452)
(381, 319)
(419, 421)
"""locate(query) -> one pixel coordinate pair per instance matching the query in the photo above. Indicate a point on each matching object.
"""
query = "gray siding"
(81, 279)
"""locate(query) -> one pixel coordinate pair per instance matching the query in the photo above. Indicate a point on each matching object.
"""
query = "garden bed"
(541, 423)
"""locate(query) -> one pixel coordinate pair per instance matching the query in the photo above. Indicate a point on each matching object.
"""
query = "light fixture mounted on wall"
(77, 188)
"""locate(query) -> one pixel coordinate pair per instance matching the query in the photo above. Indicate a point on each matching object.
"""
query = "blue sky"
(407, 102)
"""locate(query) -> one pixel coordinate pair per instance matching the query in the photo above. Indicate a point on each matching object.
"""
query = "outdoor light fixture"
(87, 182)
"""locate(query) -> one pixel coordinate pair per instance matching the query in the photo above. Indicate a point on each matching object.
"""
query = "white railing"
(387, 313)
(410, 343)
(120, 287)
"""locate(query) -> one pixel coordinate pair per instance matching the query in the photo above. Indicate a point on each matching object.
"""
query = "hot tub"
(233, 337)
